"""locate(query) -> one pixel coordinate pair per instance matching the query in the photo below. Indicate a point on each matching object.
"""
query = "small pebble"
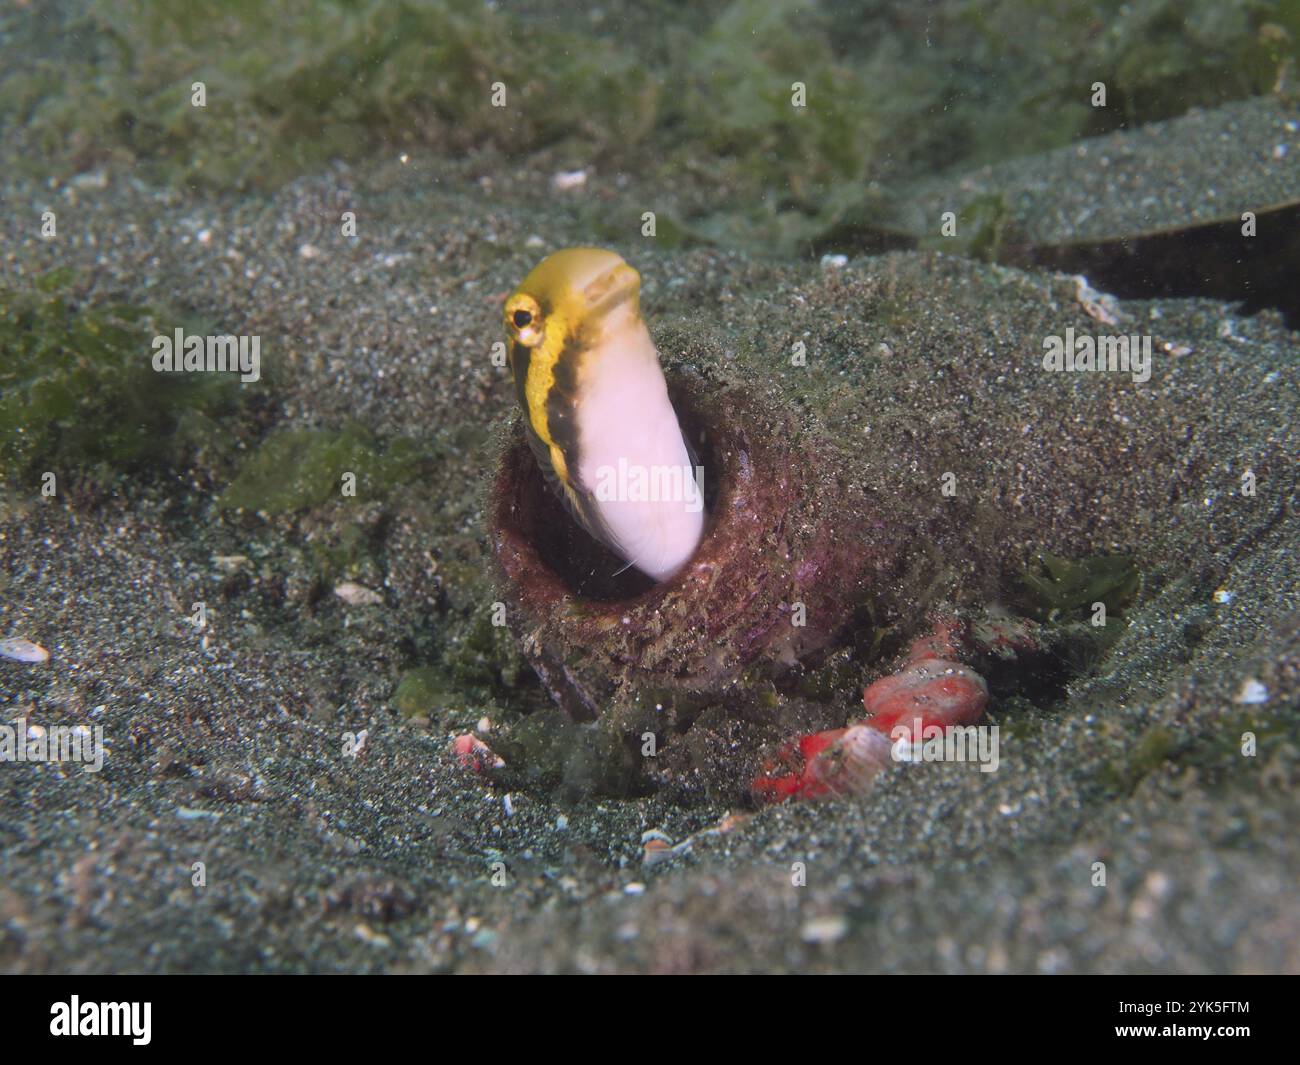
(368, 935)
(186, 813)
(91, 179)
(821, 930)
(569, 179)
(357, 595)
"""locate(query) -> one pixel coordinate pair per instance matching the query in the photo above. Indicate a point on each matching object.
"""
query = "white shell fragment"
(1100, 306)
(17, 649)
(658, 847)
(568, 179)
(1252, 693)
(823, 930)
(357, 594)
(850, 765)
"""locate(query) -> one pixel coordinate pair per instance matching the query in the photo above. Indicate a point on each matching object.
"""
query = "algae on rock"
(299, 468)
(78, 390)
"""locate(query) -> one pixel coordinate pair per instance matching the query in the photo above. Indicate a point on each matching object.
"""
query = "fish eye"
(522, 318)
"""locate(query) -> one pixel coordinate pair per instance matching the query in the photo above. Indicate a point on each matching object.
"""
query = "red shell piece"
(930, 690)
(472, 753)
(841, 761)
(947, 641)
(933, 691)
(797, 757)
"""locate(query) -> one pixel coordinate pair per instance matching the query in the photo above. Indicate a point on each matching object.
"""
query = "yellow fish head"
(570, 293)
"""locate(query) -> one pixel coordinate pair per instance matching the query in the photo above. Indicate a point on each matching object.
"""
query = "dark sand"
(226, 747)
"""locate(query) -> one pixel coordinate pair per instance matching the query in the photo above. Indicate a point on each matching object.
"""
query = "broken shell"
(657, 847)
(471, 752)
(653, 835)
(933, 691)
(1252, 693)
(850, 766)
(357, 594)
(565, 180)
(19, 650)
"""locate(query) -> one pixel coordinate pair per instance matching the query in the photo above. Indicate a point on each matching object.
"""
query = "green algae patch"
(1154, 749)
(1243, 741)
(761, 88)
(343, 547)
(784, 123)
(576, 760)
(1236, 742)
(78, 389)
(764, 97)
(1157, 59)
(1062, 588)
(300, 468)
(979, 229)
(287, 88)
(420, 694)
(484, 658)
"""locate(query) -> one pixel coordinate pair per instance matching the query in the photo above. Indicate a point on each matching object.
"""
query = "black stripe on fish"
(561, 408)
